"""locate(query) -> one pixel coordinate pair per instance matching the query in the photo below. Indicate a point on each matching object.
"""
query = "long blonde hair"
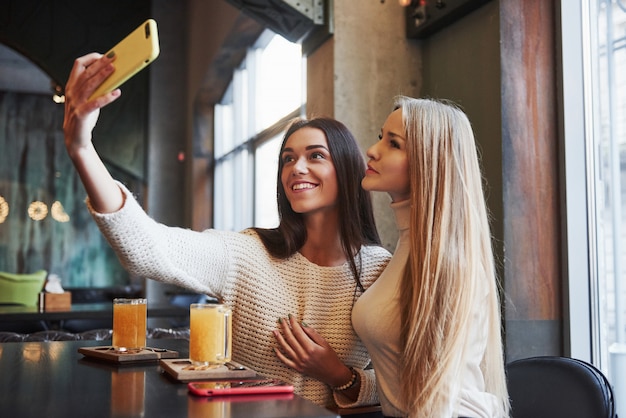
(450, 273)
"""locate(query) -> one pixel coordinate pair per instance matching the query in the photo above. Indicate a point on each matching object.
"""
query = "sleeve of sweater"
(194, 260)
(367, 393)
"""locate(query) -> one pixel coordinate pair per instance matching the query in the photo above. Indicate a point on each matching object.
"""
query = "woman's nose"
(371, 152)
(300, 166)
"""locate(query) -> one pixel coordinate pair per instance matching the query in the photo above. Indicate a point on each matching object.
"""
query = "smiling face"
(388, 165)
(308, 173)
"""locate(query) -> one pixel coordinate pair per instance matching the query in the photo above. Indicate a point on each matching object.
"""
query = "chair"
(51, 335)
(558, 387)
(99, 334)
(169, 333)
(9, 337)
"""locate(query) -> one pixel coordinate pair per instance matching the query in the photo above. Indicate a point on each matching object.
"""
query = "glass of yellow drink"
(129, 324)
(210, 334)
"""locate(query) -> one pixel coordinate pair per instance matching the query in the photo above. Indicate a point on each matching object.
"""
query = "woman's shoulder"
(375, 251)
(375, 254)
(246, 237)
(374, 260)
(250, 234)
(246, 242)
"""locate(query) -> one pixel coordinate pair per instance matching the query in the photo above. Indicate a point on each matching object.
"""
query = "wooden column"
(532, 273)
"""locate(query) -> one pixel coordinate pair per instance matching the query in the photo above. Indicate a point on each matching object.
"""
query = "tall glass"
(210, 334)
(129, 324)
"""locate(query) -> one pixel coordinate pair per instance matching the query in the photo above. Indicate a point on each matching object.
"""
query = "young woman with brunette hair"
(297, 282)
(356, 228)
(431, 322)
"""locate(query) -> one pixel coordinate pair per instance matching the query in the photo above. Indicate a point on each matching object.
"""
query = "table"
(51, 379)
(80, 311)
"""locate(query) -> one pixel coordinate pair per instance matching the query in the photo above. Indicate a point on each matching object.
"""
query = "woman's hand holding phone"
(133, 53)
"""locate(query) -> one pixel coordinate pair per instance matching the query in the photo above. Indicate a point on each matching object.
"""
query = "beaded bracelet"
(348, 385)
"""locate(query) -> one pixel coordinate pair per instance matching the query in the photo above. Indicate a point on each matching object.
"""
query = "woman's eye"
(317, 155)
(394, 144)
(287, 159)
(380, 136)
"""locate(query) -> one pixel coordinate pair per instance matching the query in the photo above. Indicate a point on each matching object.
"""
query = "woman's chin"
(369, 185)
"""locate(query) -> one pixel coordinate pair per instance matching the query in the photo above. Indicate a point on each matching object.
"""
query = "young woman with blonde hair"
(431, 322)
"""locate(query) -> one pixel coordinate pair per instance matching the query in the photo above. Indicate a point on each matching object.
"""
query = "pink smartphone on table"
(239, 387)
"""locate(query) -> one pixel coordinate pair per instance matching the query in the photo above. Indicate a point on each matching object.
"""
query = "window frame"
(579, 264)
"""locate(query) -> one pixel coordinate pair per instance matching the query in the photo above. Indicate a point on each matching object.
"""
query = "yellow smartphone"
(134, 53)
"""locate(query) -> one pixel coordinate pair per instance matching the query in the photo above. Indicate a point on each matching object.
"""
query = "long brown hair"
(450, 277)
(357, 226)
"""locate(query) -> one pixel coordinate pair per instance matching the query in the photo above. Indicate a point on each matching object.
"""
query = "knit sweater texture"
(236, 268)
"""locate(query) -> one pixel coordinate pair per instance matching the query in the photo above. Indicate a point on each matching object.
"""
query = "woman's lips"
(370, 170)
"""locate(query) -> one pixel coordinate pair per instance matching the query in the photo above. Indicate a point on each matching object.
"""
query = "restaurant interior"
(507, 63)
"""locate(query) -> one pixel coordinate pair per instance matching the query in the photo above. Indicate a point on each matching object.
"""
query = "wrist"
(354, 377)
(79, 152)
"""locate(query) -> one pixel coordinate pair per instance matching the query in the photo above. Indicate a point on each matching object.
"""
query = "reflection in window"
(58, 212)
(265, 92)
(4, 209)
(37, 210)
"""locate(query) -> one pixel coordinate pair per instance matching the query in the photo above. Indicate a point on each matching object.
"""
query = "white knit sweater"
(236, 268)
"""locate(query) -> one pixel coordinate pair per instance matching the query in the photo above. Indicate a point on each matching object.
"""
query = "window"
(265, 93)
(607, 116)
(595, 157)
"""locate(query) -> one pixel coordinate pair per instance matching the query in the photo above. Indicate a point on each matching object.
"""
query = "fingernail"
(111, 54)
(280, 320)
(304, 324)
(289, 316)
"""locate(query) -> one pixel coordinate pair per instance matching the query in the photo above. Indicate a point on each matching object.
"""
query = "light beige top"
(376, 318)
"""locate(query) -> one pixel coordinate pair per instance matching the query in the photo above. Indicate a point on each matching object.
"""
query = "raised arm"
(81, 115)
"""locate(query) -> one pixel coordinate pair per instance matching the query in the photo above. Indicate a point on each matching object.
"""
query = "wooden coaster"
(184, 370)
(110, 354)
